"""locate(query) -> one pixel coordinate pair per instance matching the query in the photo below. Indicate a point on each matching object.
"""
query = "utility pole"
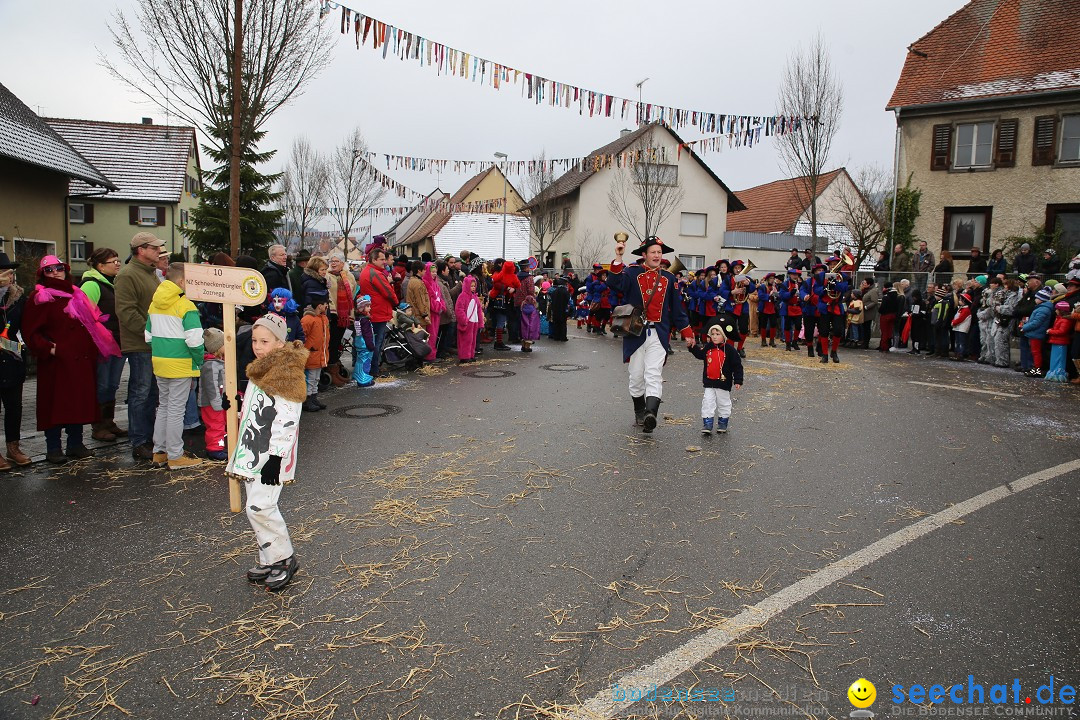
(502, 156)
(640, 107)
(234, 161)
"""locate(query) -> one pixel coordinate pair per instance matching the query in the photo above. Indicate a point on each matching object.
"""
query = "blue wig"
(290, 304)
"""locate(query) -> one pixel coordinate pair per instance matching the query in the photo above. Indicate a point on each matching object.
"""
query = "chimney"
(624, 132)
(147, 121)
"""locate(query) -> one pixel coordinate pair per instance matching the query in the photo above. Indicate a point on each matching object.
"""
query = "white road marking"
(700, 648)
(961, 387)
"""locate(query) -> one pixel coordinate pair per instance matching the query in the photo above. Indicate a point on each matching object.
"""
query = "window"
(656, 174)
(693, 224)
(692, 262)
(974, 145)
(566, 219)
(148, 215)
(1065, 219)
(1070, 139)
(967, 227)
(78, 250)
(553, 221)
(191, 185)
(183, 218)
(76, 213)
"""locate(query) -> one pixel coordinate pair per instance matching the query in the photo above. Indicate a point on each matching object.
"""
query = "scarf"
(344, 301)
(434, 295)
(80, 308)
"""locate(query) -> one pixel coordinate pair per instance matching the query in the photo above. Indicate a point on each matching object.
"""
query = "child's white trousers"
(716, 402)
(266, 521)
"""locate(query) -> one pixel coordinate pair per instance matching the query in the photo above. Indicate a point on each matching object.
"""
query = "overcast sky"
(719, 56)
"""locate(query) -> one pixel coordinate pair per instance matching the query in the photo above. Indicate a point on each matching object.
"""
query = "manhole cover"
(488, 374)
(564, 367)
(366, 411)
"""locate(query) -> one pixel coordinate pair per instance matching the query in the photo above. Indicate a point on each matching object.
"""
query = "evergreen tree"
(208, 230)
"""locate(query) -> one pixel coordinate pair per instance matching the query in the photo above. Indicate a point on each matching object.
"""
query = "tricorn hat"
(5, 262)
(649, 242)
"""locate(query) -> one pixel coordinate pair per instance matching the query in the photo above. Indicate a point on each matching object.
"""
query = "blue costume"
(831, 292)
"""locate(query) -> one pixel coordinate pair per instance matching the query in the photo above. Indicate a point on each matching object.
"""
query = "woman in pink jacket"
(437, 304)
(470, 318)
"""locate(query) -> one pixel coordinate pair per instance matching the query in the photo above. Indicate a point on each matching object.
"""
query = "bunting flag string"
(519, 167)
(744, 130)
(478, 206)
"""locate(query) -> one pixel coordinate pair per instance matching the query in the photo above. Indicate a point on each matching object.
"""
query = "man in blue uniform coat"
(652, 288)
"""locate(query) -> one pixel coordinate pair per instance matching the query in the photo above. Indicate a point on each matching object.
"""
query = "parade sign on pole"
(230, 286)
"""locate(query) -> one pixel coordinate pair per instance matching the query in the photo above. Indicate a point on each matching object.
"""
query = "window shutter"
(1042, 151)
(89, 249)
(160, 215)
(88, 213)
(941, 147)
(133, 214)
(1005, 150)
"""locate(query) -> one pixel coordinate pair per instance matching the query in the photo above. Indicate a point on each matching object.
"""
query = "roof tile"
(775, 206)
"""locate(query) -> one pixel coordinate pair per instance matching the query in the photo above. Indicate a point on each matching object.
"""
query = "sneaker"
(706, 426)
(259, 573)
(79, 452)
(160, 460)
(721, 426)
(187, 460)
(216, 455)
(281, 573)
(1035, 373)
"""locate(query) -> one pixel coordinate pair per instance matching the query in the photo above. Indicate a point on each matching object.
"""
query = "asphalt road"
(509, 545)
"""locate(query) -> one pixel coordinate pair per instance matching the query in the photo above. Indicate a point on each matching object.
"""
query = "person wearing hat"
(66, 333)
(211, 400)
(735, 294)
(296, 277)
(1024, 262)
(1050, 264)
(1032, 283)
(961, 327)
(976, 263)
(135, 286)
(1058, 338)
(791, 312)
(1034, 329)
(375, 282)
(768, 304)
(595, 292)
(831, 290)
(652, 289)
(12, 367)
(363, 342)
(266, 445)
(992, 296)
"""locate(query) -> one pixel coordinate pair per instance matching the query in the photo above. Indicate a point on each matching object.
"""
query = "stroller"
(406, 343)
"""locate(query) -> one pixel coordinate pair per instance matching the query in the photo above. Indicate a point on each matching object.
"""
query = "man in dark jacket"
(296, 278)
(1024, 263)
(794, 262)
(977, 264)
(275, 272)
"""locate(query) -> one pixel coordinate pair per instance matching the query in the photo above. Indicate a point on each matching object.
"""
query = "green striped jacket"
(174, 333)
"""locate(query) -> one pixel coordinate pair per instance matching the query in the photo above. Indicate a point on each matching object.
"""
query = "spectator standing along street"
(12, 366)
(275, 272)
(375, 283)
(97, 283)
(135, 286)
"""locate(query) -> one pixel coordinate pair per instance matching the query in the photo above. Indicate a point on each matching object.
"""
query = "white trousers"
(716, 401)
(647, 367)
(266, 521)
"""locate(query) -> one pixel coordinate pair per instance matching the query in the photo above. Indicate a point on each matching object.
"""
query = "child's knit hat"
(941, 292)
(275, 324)
(1062, 305)
(1044, 294)
(213, 340)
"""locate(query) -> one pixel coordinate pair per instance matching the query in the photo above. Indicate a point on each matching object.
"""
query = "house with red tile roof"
(158, 180)
(988, 111)
(578, 200)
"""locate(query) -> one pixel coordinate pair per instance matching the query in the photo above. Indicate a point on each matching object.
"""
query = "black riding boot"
(652, 407)
(639, 410)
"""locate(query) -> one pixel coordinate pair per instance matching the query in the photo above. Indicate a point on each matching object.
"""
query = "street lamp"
(502, 156)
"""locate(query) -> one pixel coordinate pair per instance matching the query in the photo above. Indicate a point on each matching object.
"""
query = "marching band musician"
(831, 289)
(649, 287)
(792, 310)
(734, 300)
(768, 303)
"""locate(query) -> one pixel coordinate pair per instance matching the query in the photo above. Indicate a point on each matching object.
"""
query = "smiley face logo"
(862, 693)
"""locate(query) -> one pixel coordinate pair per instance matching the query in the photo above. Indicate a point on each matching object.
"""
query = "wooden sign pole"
(228, 312)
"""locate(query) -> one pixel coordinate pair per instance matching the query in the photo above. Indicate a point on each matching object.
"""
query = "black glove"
(271, 470)
(225, 404)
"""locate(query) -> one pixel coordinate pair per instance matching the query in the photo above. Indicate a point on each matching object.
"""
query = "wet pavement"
(497, 541)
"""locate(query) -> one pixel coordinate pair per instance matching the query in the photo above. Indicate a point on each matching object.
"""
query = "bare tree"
(304, 184)
(354, 187)
(641, 197)
(861, 207)
(549, 217)
(810, 90)
(588, 248)
(181, 57)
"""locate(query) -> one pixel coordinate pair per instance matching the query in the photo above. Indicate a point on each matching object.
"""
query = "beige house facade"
(579, 201)
(989, 126)
(158, 184)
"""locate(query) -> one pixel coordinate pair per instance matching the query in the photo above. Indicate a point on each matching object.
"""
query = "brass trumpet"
(750, 267)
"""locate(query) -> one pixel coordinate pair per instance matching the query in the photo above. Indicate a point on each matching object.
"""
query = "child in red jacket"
(1059, 336)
